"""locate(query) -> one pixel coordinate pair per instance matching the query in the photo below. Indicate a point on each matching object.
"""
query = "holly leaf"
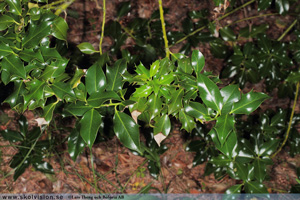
(127, 131)
(90, 124)
(248, 103)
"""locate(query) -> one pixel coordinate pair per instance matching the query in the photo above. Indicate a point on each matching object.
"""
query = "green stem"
(220, 18)
(93, 169)
(287, 30)
(290, 122)
(163, 25)
(127, 31)
(102, 30)
(248, 18)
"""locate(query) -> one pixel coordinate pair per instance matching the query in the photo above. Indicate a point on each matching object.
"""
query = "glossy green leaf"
(227, 34)
(231, 95)
(229, 146)
(98, 98)
(294, 77)
(86, 48)
(29, 55)
(219, 49)
(260, 170)
(282, 6)
(264, 4)
(15, 6)
(5, 50)
(255, 187)
(12, 136)
(197, 61)
(268, 147)
(95, 79)
(75, 143)
(176, 101)
(5, 21)
(187, 121)
(224, 126)
(44, 167)
(16, 97)
(155, 105)
(127, 131)
(35, 93)
(185, 66)
(248, 103)
(221, 161)
(60, 28)
(53, 71)
(52, 54)
(143, 71)
(36, 33)
(90, 124)
(143, 91)
(162, 125)
(241, 170)
(209, 93)
(154, 68)
(76, 80)
(76, 109)
(197, 110)
(124, 8)
(14, 66)
(236, 189)
(62, 89)
(48, 111)
(114, 75)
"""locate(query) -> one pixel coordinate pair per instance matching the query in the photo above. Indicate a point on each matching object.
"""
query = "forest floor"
(119, 170)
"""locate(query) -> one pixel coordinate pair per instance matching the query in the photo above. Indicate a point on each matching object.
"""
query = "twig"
(103, 25)
(290, 123)
(287, 30)
(163, 25)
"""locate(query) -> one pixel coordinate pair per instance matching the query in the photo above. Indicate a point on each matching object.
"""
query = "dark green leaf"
(209, 93)
(36, 92)
(236, 189)
(62, 89)
(29, 55)
(155, 105)
(90, 124)
(124, 8)
(154, 68)
(142, 91)
(227, 34)
(282, 6)
(86, 48)
(184, 65)
(127, 131)
(198, 61)
(254, 187)
(231, 95)
(59, 28)
(229, 146)
(114, 75)
(248, 103)
(5, 50)
(16, 97)
(162, 125)
(187, 121)
(264, 4)
(98, 98)
(294, 77)
(176, 101)
(52, 54)
(48, 111)
(259, 170)
(36, 33)
(95, 79)
(221, 161)
(14, 66)
(15, 6)
(198, 111)
(44, 167)
(5, 21)
(75, 144)
(224, 126)
(76, 109)
(12, 136)
(268, 147)
(241, 170)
